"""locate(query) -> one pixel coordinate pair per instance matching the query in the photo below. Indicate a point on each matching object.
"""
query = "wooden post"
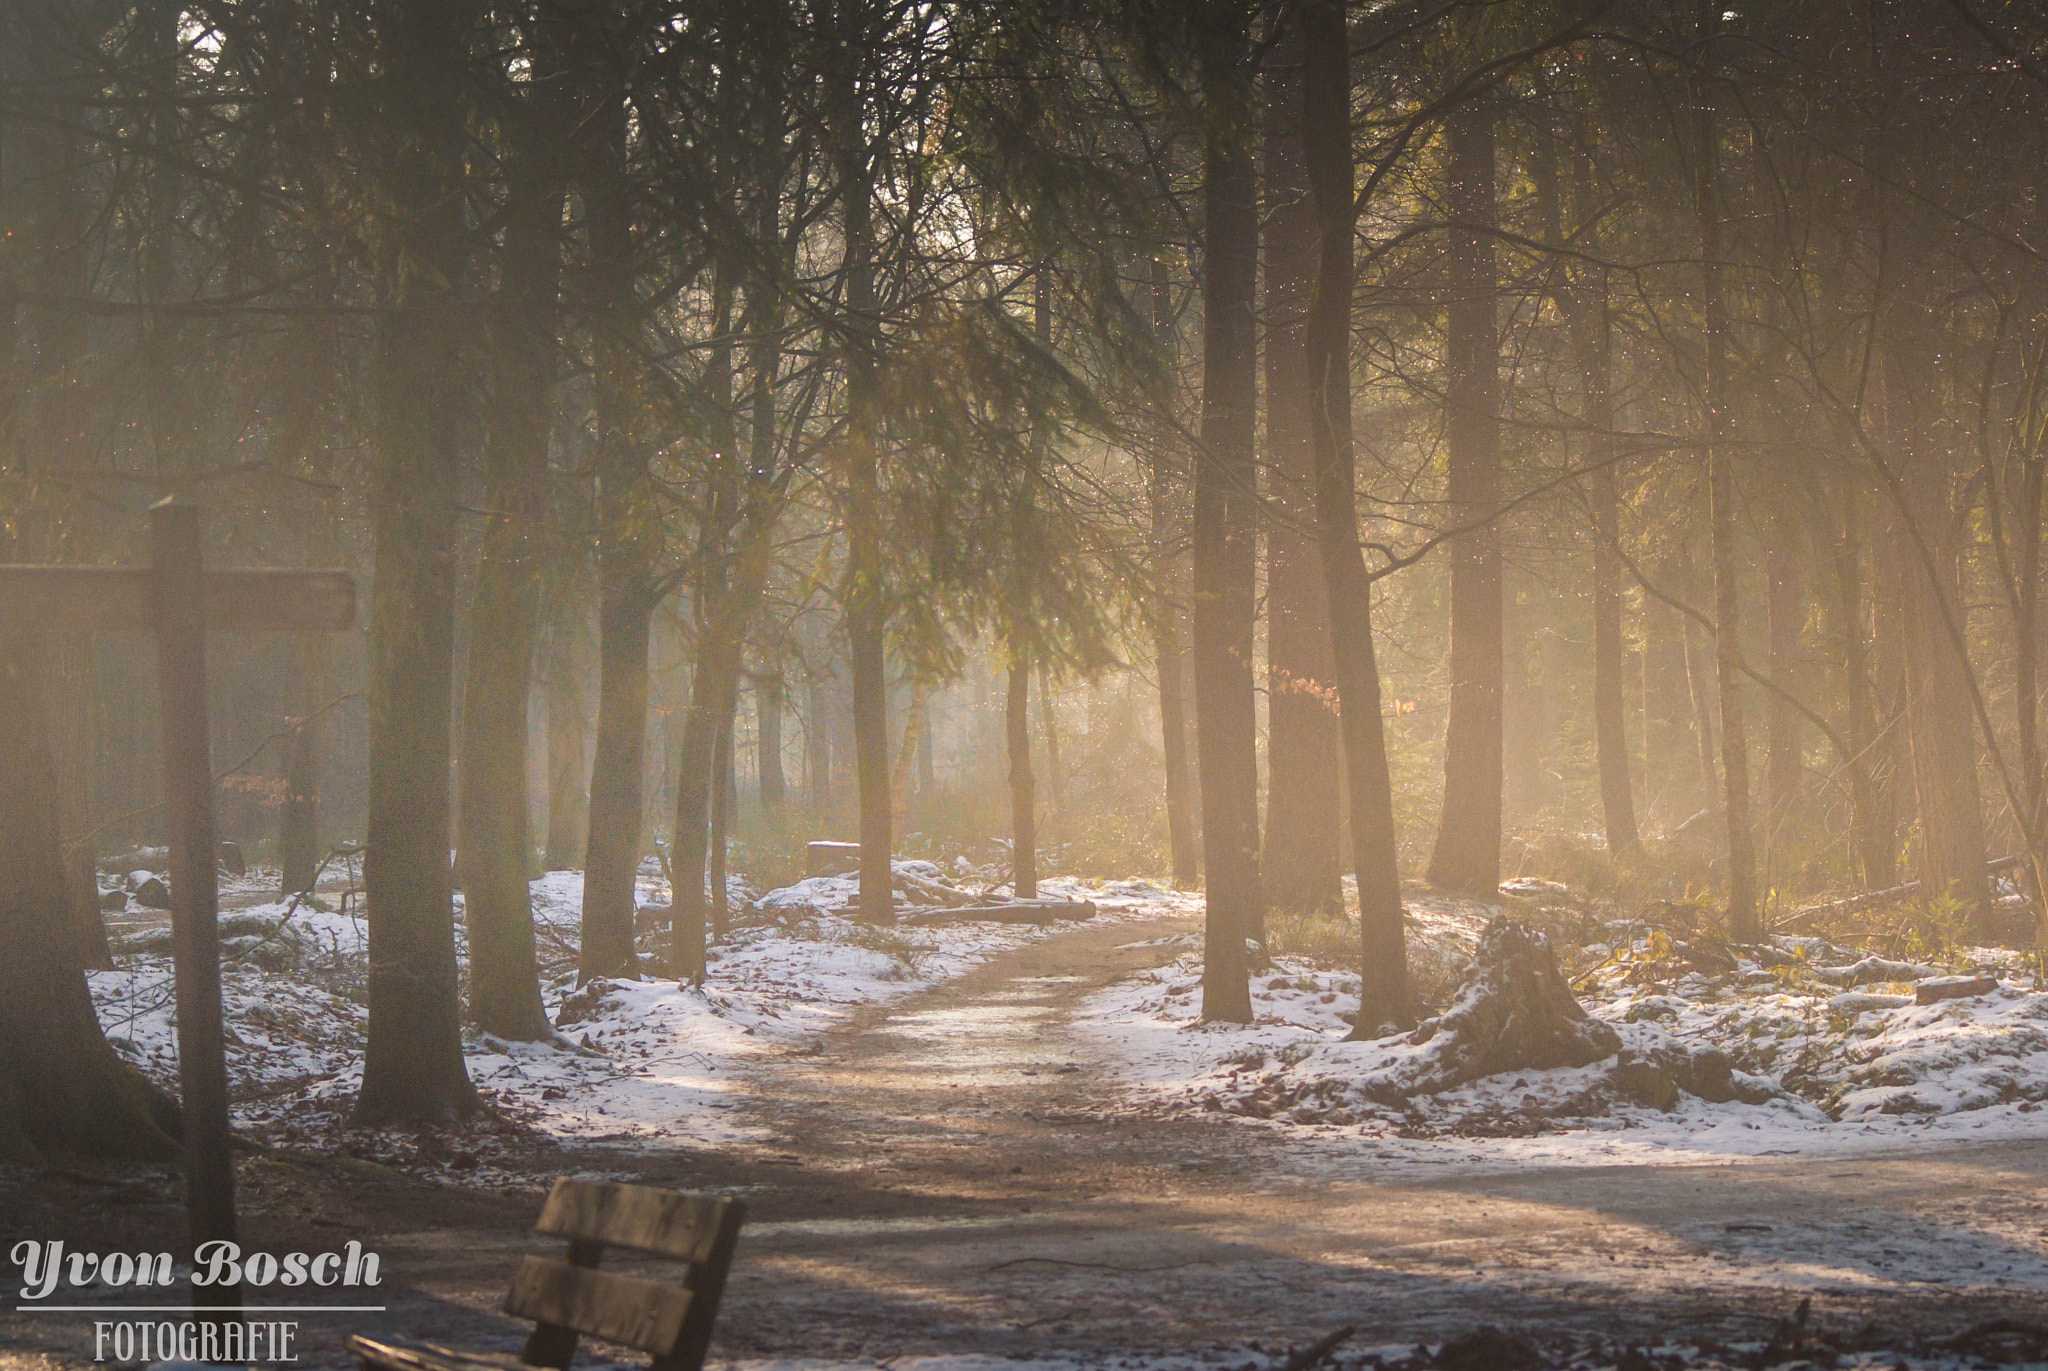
(180, 622)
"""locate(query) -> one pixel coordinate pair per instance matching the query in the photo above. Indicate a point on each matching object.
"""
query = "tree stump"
(1513, 1012)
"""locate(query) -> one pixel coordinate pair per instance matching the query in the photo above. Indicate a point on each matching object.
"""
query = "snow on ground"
(638, 1061)
(1829, 1050)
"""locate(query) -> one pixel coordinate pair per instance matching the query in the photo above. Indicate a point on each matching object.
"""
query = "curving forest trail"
(958, 1173)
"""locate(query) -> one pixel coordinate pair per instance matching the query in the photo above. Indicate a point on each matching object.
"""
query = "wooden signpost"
(179, 601)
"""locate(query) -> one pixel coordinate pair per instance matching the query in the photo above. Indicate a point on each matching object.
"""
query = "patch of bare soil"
(952, 1173)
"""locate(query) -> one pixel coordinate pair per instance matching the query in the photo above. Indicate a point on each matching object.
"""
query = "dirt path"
(963, 1187)
(952, 1173)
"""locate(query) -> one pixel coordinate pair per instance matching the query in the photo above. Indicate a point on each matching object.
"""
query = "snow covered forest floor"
(1826, 1048)
(657, 1059)
(1820, 1047)
(990, 1147)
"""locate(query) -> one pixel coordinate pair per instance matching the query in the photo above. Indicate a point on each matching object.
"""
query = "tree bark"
(1873, 841)
(1745, 917)
(862, 592)
(62, 1089)
(927, 762)
(1023, 786)
(625, 529)
(49, 203)
(721, 822)
(494, 839)
(1049, 725)
(413, 1072)
(1670, 767)
(568, 723)
(1169, 652)
(1385, 999)
(1937, 678)
(1699, 681)
(1785, 608)
(699, 778)
(1467, 852)
(736, 574)
(818, 746)
(2026, 672)
(298, 839)
(1583, 299)
(1225, 520)
(1301, 864)
(306, 448)
(72, 707)
(772, 786)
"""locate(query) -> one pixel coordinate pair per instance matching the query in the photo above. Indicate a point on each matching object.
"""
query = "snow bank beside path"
(651, 1062)
(1816, 1067)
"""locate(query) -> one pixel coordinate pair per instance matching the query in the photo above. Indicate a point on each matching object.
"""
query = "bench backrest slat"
(637, 1313)
(663, 1222)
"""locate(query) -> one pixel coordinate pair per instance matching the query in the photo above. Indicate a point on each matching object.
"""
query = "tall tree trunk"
(1699, 681)
(48, 204)
(1610, 671)
(568, 724)
(625, 531)
(1938, 721)
(71, 710)
(1874, 845)
(927, 768)
(1385, 1000)
(1938, 678)
(1023, 787)
(1583, 299)
(733, 586)
(1049, 725)
(818, 745)
(413, 1072)
(1745, 917)
(298, 840)
(494, 839)
(306, 448)
(1225, 522)
(1785, 608)
(1301, 866)
(1891, 764)
(1467, 852)
(62, 1089)
(1670, 770)
(862, 592)
(699, 781)
(714, 677)
(1169, 654)
(771, 785)
(2026, 672)
(721, 823)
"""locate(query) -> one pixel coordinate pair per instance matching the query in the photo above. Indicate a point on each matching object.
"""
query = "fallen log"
(1874, 899)
(149, 890)
(1040, 912)
(937, 890)
(831, 859)
(1952, 988)
(1871, 971)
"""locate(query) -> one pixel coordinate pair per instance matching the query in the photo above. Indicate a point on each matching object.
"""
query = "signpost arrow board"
(179, 600)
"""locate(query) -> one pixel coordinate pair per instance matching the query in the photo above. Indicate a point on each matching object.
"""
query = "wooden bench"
(570, 1298)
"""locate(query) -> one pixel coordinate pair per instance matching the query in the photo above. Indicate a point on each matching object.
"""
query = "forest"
(1322, 462)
